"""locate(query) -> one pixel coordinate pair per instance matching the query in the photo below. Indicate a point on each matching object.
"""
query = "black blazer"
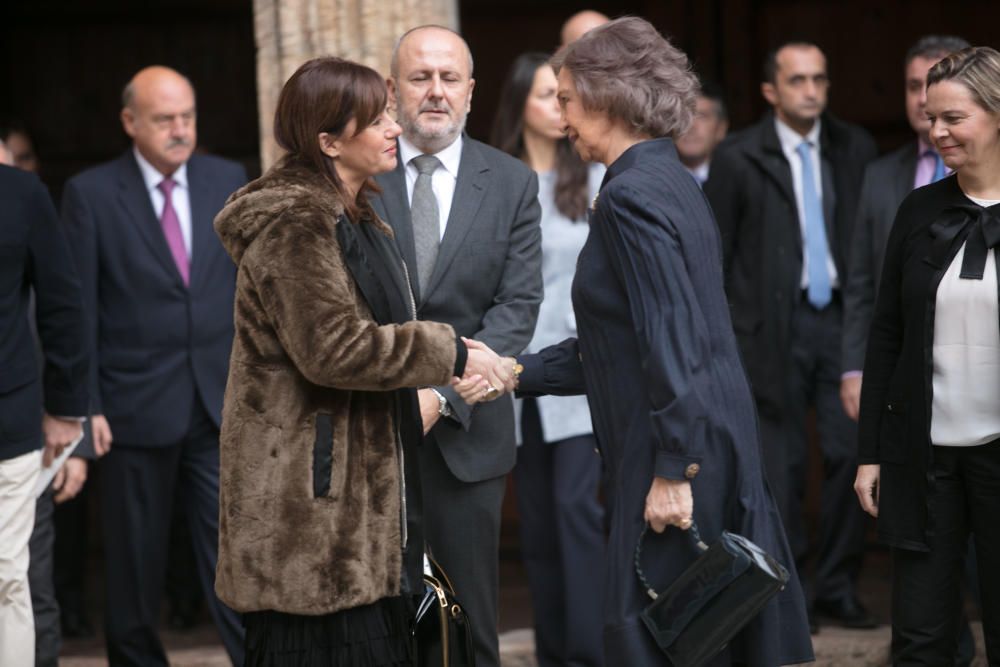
(887, 182)
(894, 427)
(157, 346)
(34, 254)
(751, 192)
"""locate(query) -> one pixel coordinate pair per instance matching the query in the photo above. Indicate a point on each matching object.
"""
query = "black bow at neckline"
(981, 230)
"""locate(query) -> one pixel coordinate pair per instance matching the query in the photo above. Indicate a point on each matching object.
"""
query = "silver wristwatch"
(443, 408)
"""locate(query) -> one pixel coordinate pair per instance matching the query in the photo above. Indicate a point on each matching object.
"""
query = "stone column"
(289, 32)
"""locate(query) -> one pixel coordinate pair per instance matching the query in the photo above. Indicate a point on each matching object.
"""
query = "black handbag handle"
(695, 538)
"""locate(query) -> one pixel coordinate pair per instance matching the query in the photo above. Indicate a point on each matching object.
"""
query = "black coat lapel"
(134, 198)
(906, 173)
(772, 161)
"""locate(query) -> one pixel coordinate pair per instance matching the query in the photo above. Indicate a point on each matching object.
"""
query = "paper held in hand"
(46, 475)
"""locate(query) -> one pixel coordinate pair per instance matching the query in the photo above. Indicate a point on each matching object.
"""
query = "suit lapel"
(773, 161)
(202, 230)
(134, 198)
(473, 179)
(906, 174)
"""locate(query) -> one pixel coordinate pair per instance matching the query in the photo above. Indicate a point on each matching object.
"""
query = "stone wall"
(289, 32)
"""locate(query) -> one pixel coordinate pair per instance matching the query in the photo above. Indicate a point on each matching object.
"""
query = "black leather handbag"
(441, 634)
(697, 616)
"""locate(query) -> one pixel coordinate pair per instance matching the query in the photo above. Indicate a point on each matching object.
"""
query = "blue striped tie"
(817, 249)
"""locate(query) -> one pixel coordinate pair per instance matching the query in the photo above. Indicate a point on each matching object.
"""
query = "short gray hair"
(628, 70)
(394, 62)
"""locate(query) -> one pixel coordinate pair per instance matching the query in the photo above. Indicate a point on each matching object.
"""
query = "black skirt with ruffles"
(375, 635)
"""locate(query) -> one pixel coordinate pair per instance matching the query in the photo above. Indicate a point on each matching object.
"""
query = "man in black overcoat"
(784, 192)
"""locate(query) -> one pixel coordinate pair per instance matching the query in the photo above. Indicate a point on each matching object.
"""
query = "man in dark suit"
(708, 129)
(466, 218)
(158, 288)
(784, 193)
(33, 255)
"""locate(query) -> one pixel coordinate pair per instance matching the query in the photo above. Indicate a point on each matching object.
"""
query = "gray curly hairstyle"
(626, 69)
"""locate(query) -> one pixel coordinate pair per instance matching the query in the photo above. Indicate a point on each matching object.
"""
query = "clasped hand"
(487, 375)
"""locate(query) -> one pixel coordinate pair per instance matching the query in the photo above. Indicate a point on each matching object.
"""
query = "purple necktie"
(172, 229)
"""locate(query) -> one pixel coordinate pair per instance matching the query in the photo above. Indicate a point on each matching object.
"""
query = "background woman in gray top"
(558, 469)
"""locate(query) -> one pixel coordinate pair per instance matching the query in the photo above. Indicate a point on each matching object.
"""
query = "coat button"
(692, 470)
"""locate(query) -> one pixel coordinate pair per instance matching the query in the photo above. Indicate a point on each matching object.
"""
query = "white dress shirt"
(966, 355)
(444, 178)
(790, 140)
(181, 196)
(700, 172)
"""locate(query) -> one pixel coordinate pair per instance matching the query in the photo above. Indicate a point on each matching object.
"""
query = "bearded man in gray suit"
(466, 218)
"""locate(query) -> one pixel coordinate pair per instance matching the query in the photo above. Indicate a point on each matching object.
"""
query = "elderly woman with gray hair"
(656, 355)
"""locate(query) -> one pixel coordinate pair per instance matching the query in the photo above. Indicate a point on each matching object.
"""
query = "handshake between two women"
(487, 376)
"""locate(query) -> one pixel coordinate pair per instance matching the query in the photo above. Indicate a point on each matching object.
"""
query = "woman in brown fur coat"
(319, 542)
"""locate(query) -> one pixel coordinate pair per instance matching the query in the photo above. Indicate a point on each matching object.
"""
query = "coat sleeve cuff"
(461, 412)
(671, 466)
(66, 405)
(531, 381)
(461, 356)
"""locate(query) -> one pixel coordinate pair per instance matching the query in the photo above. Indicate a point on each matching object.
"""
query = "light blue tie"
(939, 170)
(816, 246)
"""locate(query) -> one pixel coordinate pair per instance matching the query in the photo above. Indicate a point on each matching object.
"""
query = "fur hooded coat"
(312, 493)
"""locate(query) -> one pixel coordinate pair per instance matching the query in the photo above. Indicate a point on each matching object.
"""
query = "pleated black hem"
(375, 635)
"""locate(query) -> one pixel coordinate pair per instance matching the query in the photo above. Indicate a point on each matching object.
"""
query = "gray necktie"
(425, 217)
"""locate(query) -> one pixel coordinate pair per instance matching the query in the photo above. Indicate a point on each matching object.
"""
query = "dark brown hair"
(324, 95)
(572, 173)
(628, 70)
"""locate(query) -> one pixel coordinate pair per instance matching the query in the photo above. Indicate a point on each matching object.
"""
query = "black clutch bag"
(441, 634)
(697, 616)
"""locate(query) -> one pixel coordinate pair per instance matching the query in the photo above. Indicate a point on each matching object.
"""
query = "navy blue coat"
(35, 255)
(657, 357)
(155, 344)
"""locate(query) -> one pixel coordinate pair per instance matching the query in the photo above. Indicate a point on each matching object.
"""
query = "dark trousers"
(814, 380)
(137, 495)
(184, 594)
(926, 586)
(44, 606)
(72, 548)
(462, 530)
(562, 542)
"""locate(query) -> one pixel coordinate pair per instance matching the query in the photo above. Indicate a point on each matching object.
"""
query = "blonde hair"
(978, 69)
